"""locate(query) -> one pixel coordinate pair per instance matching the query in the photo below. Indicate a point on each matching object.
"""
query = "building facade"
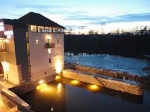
(31, 48)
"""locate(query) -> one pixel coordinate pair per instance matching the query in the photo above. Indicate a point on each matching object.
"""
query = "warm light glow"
(57, 78)
(58, 66)
(75, 82)
(59, 86)
(37, 41)
(49, 50)
(5, 66)
(46, 89)
(6, 40)
(48, 37)
(8, 36)
(41, 82)
(94, 87)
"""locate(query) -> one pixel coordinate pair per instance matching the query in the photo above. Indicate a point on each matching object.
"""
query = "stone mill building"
(31, 48)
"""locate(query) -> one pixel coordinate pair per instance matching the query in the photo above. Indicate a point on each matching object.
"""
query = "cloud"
(108, 19)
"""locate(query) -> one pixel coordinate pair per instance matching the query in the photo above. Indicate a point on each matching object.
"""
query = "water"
(130, 65)
(66, 95)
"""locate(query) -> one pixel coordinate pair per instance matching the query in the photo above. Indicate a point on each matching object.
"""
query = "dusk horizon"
(90, 14)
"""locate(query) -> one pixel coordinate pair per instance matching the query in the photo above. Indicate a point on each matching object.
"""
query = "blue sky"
(80, 12)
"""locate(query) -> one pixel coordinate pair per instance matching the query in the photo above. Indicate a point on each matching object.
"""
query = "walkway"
(4, 84)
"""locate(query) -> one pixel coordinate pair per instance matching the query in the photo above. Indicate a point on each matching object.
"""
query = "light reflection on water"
(65, 96)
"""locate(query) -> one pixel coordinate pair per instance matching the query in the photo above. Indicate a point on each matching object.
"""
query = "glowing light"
(41, 82)
(8, 36)
(94, 87)
(57, 78)
(75, 82)
(48, 37)
(5, 66)
(59, 86)
(58, 66)
(10, 32)
(37, 41)
(6, 40)
(49, 50)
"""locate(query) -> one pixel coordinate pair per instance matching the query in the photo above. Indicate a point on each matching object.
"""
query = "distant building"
(31, 48)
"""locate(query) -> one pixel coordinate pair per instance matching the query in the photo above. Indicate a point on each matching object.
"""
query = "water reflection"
(66, 95)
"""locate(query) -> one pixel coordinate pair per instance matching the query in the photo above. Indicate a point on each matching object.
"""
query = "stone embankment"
(106, 81)
(107, 72)
(13, 102)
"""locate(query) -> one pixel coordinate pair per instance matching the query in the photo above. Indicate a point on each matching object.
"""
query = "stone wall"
(106, 81)
(13, 102)
(23, 88)
(107, 72)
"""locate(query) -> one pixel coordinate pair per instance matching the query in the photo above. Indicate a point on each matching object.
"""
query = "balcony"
(49, 45)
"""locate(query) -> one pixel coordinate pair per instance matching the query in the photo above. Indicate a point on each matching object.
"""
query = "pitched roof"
(9, 21)
(37, 19)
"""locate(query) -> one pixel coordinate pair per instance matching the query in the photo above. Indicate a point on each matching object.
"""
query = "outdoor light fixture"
(75, 82)
(41, 82)
(93, 87)
(5, 66)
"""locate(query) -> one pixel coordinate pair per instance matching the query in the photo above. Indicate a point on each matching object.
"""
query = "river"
(66, 95)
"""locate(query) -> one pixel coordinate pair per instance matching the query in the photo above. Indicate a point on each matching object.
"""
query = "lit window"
(48, 29)
(41, 29)
(37, 41)
(49, 51)
(27, 34)
(33, 28)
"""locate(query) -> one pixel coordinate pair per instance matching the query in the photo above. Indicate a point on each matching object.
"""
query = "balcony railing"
(49, 45)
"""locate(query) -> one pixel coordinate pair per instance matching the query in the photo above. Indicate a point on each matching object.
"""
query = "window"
(48, 29)
(33, 28)
(49, 60)
(28, 52)
(41, 29)
(37, 41)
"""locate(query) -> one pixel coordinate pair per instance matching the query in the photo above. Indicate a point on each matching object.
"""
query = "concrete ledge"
(106, 81)
(13, 101)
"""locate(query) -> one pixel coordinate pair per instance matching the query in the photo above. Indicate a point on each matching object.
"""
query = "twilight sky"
(80, 12)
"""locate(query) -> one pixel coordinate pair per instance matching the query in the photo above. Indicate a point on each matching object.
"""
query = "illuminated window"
(49, 50)
(48, 29)
(33, 28)
(27, 34)
(37, 41)
(28, 48)
(41, 29)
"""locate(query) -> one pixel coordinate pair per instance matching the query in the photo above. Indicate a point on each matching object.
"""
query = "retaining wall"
(106, 81)
(15, 103)
(112, 73)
